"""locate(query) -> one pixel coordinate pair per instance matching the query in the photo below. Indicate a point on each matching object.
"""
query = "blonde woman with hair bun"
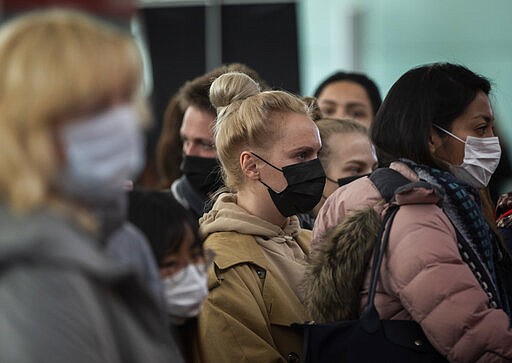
(69, 141)
(268, 147)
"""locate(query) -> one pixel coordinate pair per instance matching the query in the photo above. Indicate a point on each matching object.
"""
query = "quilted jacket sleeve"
(427, 274)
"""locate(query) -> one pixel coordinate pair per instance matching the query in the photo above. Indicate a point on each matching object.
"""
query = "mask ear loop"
(266, 162)
(332, 181)
(265, 184)
(449, 133)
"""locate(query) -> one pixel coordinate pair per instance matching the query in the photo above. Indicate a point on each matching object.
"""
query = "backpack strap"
(387, 181)
(370, 318)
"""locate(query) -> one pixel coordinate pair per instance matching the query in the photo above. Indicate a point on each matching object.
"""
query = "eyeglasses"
(200, 263)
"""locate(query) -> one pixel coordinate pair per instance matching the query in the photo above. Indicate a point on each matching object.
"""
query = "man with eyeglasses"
(201, 170)
(191, 112)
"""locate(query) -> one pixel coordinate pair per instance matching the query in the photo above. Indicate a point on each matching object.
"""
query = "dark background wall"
(262, 36)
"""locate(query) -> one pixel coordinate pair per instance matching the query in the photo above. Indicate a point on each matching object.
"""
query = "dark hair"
(371, 88)
(435, 93)
(162, 219)
(195, 92)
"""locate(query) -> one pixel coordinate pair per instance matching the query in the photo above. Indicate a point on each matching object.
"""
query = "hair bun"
(231, 87)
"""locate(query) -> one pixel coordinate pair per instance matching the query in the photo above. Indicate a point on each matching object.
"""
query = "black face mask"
(306, 183)
(349, 179)
(204, 174)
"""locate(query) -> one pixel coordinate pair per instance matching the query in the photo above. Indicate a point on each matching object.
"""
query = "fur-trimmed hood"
(339, 262)
(351, 242)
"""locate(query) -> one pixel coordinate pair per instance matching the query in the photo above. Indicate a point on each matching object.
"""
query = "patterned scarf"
(504, 211)
(505, 220)
(463, 207)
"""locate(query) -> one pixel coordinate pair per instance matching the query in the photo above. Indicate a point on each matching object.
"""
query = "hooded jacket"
(63, 300)
(423, 277)
(251, 304)
(191, 199)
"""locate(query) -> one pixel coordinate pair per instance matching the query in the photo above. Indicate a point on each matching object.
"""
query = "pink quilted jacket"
(423, 276)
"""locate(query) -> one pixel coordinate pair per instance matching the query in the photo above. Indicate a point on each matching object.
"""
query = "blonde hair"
(55, 65)
(331, 126)
(246, 119)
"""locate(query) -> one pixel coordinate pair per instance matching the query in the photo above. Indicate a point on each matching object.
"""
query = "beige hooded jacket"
(254, 286)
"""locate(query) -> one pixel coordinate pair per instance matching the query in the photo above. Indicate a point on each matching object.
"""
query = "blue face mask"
(306, 183)
(102, 153)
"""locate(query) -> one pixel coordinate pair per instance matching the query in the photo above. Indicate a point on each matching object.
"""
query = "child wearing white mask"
(178, 249)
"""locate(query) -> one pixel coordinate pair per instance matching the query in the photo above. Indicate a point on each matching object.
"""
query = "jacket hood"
(341, 260)
(227, 216)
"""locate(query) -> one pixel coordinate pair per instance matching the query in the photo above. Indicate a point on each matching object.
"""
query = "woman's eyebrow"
(485, 116)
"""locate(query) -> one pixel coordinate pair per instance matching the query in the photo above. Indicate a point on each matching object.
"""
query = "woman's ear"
(249, 166)
(434, 141)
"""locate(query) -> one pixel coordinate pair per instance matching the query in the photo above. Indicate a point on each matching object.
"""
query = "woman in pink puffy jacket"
(444, 267)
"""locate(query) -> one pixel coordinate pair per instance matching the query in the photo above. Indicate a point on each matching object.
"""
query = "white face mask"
(102, 152)
(481, 158)
(185, 292)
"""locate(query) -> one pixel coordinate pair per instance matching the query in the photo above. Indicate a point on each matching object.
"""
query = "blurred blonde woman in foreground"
(69, 140)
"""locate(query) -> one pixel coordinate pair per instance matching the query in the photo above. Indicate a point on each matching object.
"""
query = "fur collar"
(341, 260)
